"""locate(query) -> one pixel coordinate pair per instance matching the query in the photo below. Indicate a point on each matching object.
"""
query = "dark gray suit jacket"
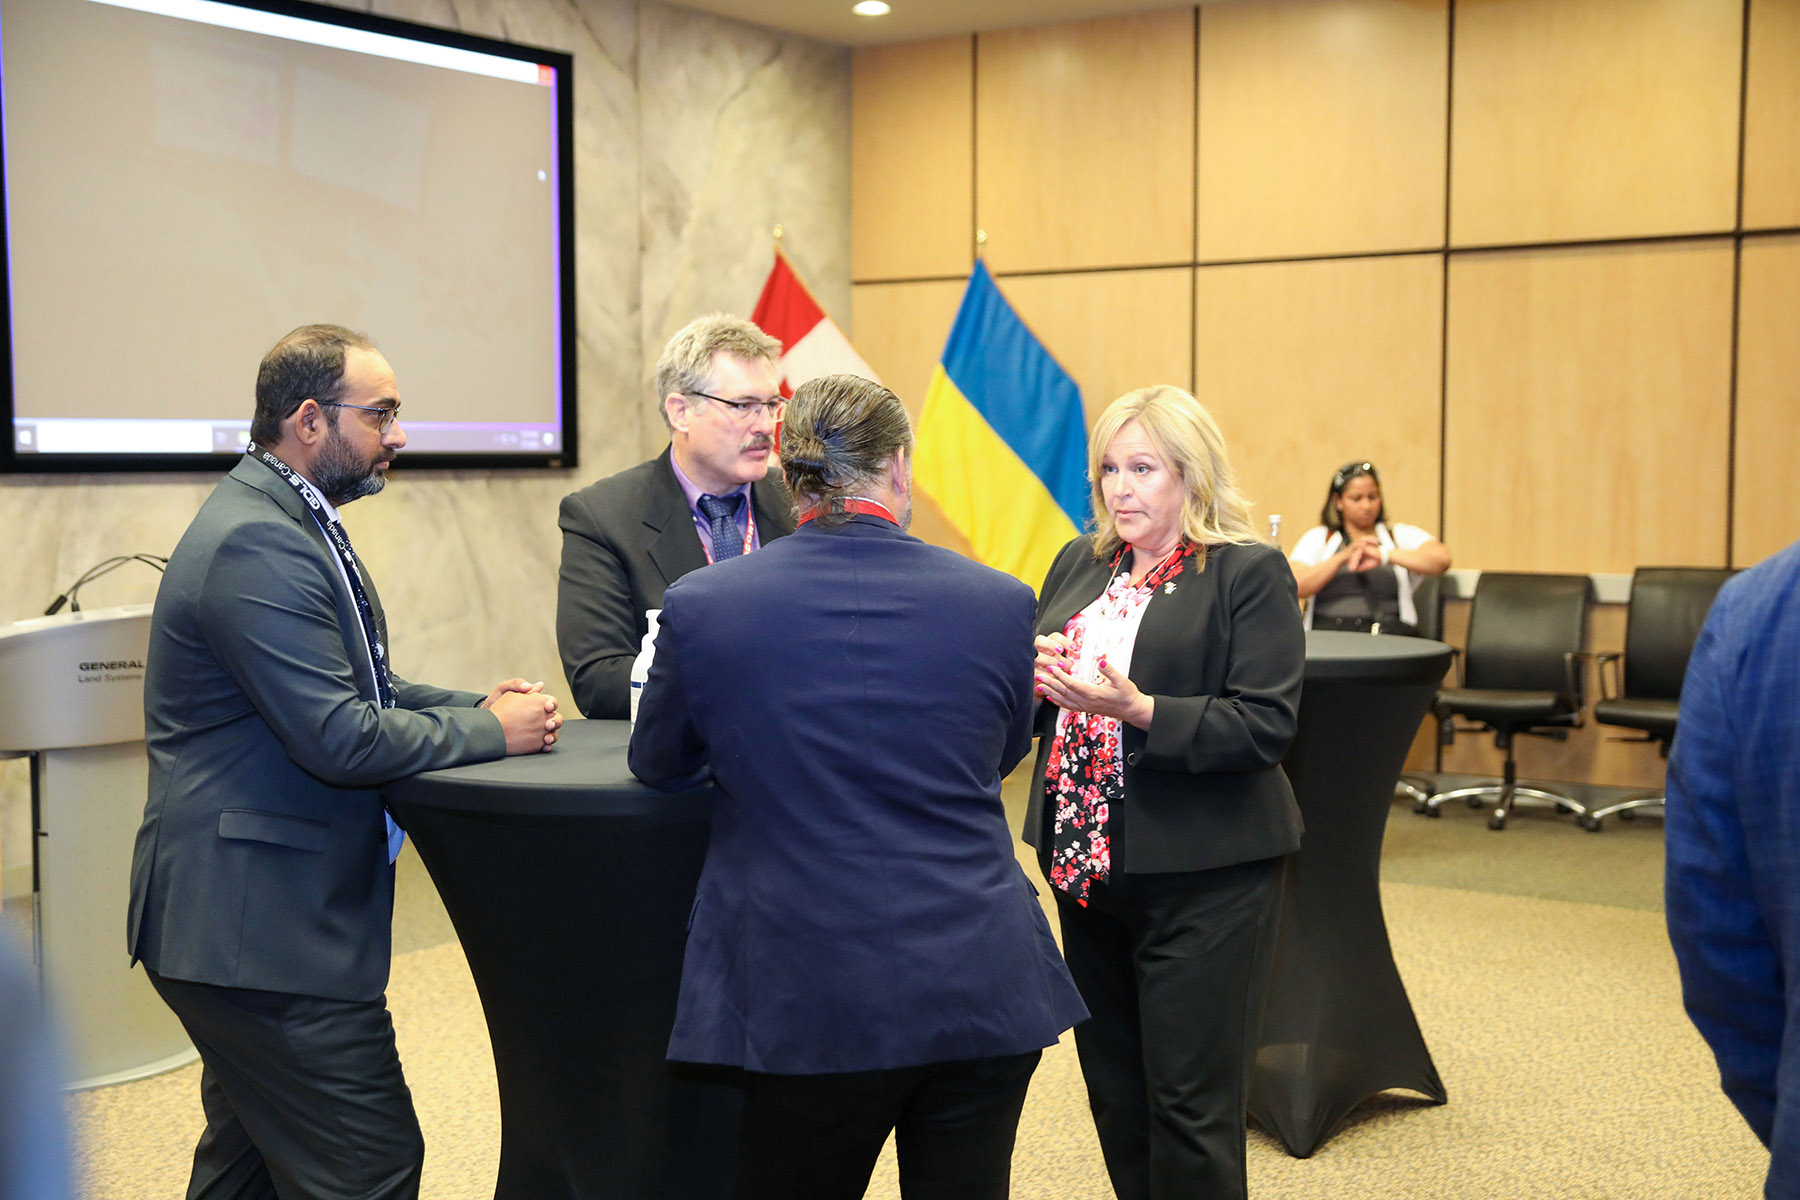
(626, 538)
(262, 860)
(1223, 654)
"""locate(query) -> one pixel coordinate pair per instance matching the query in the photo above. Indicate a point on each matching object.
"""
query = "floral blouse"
(1084, 775)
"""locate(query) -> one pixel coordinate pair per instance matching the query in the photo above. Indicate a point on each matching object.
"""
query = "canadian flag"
(811, 342)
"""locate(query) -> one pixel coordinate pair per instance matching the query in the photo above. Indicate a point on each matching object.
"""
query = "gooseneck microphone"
(69, 597)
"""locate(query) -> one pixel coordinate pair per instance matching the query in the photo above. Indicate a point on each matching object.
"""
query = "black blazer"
(262, 859)
(626, 538)
(1223, 654)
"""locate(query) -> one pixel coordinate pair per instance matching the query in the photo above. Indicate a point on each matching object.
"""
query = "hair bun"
(804, 454)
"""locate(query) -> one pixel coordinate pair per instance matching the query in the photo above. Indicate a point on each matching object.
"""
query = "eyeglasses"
(745, 410)
(389, 412)
(1349, 471)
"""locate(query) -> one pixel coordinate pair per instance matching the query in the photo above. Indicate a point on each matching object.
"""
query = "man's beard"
(342, 475)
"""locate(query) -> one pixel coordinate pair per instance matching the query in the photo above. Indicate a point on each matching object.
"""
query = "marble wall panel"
(694, 136)
(743, 129)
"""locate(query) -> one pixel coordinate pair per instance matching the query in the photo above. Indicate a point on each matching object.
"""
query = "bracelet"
(1384, 556)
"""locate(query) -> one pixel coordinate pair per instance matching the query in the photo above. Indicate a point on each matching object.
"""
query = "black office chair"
(1667, 608)
(1520, 673)
(1428, 603)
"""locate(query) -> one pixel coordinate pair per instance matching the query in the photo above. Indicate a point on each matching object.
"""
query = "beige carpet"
(1555, 1024)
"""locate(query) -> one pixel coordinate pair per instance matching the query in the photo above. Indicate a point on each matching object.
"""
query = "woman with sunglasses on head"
(1359, 568)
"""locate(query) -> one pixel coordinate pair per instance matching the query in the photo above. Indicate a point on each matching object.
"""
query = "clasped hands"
(1111, 695)
(1364, 554)
(527, 715)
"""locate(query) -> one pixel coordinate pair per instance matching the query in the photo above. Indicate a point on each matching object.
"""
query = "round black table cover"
(570, 884)
(1337, 1024)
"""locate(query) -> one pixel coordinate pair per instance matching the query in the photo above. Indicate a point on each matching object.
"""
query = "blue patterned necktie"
(727, 538)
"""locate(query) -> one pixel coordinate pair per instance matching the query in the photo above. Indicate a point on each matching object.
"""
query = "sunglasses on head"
(1350, 471)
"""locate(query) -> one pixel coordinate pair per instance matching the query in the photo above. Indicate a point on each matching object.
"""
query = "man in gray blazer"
(705, 498)
(262, 883)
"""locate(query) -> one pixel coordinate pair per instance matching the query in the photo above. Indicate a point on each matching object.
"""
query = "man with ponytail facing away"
(864, 943)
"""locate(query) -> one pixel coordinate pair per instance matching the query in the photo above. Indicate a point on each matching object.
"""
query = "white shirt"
(1319, 543)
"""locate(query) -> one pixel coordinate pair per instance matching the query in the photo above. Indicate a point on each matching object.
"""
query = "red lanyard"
(1163, 570)
(855, 504)
(749, 530)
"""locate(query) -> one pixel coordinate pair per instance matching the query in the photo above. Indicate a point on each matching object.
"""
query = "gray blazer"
(262, 859)
(626, 538)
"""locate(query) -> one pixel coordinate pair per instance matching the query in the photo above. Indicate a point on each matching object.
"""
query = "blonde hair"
(1213, 513)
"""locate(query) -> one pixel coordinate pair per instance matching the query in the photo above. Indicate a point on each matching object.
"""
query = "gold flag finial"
(980, 241)
(778, 235)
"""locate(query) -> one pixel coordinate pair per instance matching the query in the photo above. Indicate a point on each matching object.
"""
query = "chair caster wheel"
(1421, 806)
(1434, 812)
(1496, 822)
(1628, 814)
(1472, 801)
(1589, 823)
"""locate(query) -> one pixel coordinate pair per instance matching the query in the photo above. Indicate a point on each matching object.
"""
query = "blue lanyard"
(340, 544)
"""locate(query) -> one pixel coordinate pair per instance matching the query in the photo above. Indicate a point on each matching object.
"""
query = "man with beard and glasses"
(704, 499)
(262, 883)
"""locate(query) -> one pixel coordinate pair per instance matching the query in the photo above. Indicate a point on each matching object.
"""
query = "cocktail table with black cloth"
(1338, 1026)
(570, 884)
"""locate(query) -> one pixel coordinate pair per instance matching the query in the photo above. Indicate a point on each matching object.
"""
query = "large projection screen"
(187, 180)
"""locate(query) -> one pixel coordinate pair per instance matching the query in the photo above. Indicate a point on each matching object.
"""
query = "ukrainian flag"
(1002, 440)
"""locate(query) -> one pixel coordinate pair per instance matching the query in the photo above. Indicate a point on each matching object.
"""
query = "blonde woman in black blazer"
(1169, 661)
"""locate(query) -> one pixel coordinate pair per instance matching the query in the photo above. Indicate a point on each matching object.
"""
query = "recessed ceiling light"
(870, 8)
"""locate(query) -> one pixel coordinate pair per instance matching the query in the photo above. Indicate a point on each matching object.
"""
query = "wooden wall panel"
(1113, 331)
(1587, 405)
(1766, 507)
(912, 166)
(1772, 116)
(1307, 365)
(1085, 143)
(1322, 126)
(1576, 119)
(900, 329)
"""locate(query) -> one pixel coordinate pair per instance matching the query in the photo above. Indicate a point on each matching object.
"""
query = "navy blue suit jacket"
(1733, 836)
(858, 696)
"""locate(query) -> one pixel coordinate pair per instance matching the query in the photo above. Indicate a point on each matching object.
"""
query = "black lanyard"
(340, 544)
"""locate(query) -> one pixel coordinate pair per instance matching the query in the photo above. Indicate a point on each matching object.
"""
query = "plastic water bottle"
(1275, 529)
(640, 666)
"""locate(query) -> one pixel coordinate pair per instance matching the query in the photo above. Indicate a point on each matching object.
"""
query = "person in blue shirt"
(1733, 837)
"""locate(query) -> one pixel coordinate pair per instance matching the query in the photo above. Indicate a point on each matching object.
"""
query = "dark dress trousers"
(261, 892)
(858, 696)
(1172, 951)
(626, 538)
